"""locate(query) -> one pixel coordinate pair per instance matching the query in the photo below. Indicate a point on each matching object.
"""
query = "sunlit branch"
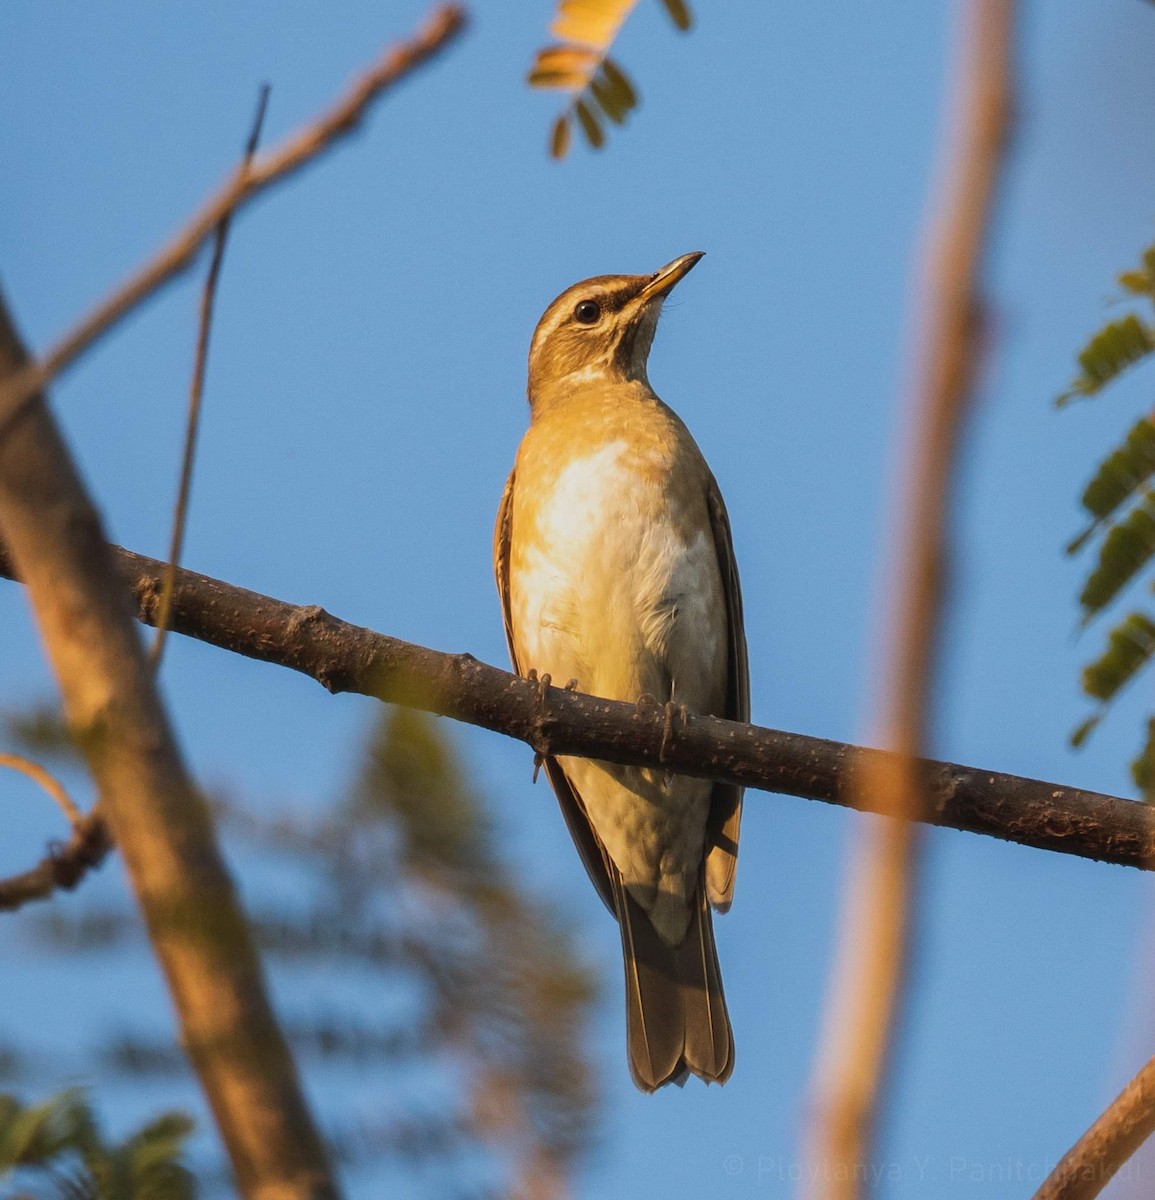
(350, 658)
(1086, 1169)
(65, 865)
(866, 989)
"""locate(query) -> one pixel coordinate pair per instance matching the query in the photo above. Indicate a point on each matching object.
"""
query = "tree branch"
(197, 387)
(877, 925)
(350, 658)
(65, 866)
(272, 167)
(1086, 1169)
(158, 819)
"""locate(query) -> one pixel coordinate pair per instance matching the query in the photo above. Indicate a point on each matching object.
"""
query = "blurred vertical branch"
(402, 894)
(157, 817)
(196, 392)
(870, 969)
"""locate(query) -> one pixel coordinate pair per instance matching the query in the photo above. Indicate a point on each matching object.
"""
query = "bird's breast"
(614, 578)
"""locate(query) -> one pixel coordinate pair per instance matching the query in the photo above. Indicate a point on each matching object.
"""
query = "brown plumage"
(615, 567)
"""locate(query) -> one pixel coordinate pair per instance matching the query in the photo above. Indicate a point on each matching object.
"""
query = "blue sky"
(366, 395)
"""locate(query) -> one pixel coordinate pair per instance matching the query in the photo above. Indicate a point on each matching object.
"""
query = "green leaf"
(1141, 282)
(1127, 547)
(1143, 767)
(1120, 475)
(679, 13)
(612, 102)
(1084, 730)
(589, 124)
(36, 1135)
(1111, 351)
(559, 138)
(1130, 646)
(620, 82)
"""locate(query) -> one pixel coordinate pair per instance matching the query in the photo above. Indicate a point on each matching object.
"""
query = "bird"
(615, 568)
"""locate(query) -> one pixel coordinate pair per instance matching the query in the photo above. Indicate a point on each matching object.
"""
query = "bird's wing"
(726, 805)
(588, 843)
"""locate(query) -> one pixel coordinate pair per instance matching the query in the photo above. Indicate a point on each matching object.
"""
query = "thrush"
(615, 568)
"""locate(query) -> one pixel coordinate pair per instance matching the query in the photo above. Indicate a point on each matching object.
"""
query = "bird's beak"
(661, 283)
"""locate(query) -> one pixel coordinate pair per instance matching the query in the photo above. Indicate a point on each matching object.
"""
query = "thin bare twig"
(1086, 1169)
(350, 658)
(64, 866)
(272, 167)
(870, 968)
(197, 387)
(48, 781)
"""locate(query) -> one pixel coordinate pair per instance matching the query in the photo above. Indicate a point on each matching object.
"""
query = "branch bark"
(197, 387)
(1086, 1169)
(869, 975)
(65, 865)
(160, 822)
(349, 658)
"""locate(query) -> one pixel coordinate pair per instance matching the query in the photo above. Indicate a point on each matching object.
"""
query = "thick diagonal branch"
(350, 658)
(158, 819)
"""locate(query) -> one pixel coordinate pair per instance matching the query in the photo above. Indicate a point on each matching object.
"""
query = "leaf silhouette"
(1126, 549)
(1121, 474)
(1130, 646)
(1117, 346)
(579, 63)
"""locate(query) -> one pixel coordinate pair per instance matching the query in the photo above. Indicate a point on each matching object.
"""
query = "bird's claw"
(673, 713)
(543, 682)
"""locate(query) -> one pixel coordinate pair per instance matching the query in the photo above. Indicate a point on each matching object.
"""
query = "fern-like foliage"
(1117, 346)
(579, 63)
(1119, 478)
(1120, 503)
(1123, 553)
(57, 1151)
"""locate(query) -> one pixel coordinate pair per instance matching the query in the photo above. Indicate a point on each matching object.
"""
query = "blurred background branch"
(157, 817)
(65, 865)
(1086, 1169)
(866, 991)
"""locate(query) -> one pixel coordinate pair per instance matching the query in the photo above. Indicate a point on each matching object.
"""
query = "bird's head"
(600, 330)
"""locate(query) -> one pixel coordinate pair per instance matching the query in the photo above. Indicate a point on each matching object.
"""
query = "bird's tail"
(676, 1019)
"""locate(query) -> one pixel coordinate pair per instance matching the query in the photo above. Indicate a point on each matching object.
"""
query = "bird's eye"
(588, 312)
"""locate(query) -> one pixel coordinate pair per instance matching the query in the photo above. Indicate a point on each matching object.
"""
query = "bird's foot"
(542, 701)
(543, 682)
(674, 713)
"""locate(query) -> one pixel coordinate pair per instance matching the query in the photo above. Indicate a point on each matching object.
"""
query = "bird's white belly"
(607, 590)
